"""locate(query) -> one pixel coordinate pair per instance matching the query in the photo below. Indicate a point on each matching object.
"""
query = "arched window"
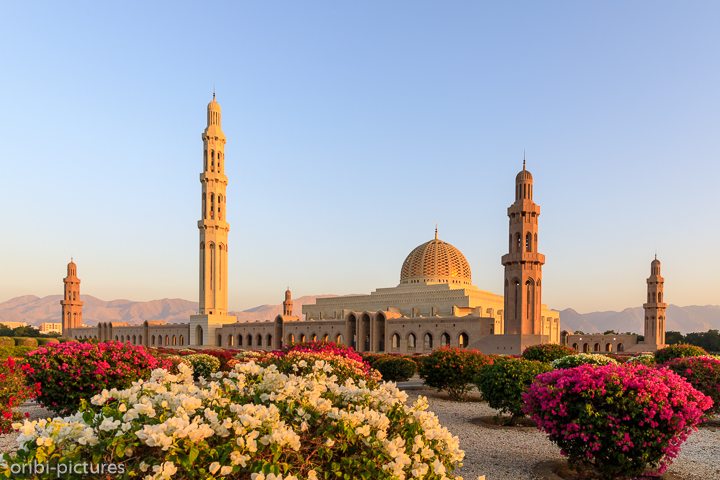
(510, 244)
(463, 340)
(122, 338)
(528, 242)
(326, 337)
(608, 347)
(167, 339)
(219, 209)
(259, 340)
(134, 341)
(314, 337)
(182, 340)
(411, 341)
(620, 348)
(212, 205)
(140, 340)
(575, 346)
(219, 340)
(654, 297)
(212, 161)
(518, 246)
(116, 338)
(445, 340)
(535, 244)
(240, 340)
(428, 342)
(174, 340)
(73, 296)
(205, 159)
(339, 339)
(596, 348)
(231, 340)
(152, 339)
(659, 297)
(249, 340)
(268, 341)
(198, 335)
(395, 341)
(291, 339)
(586, 348)
(302, 338)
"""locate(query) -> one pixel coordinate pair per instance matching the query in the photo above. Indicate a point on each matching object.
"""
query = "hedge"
(26, 342)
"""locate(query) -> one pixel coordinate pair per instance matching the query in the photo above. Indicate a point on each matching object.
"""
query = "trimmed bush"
(504, 382)
(680, 350)
(616, 419)
(703, 373)
(45, 341)
(7, 342)
(249, 424)
(547, 352)
(26, 342)
(72, 372)
(647, 359)
(572, 361)
(14, 391)
(452, 370)
(395, 369)
(203, 365)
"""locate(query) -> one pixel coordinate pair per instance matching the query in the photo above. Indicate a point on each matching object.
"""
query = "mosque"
(435, 303)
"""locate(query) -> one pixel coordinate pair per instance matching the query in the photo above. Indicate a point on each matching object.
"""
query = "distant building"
(71, 316)
(14, 324)
(50, 327)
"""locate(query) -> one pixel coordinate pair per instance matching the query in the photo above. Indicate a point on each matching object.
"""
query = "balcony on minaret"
(528, 257)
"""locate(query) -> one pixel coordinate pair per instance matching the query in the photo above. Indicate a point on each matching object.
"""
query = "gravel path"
(500, 454)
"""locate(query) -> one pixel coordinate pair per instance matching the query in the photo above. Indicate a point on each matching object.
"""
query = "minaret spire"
(523, 159)
(435, 230)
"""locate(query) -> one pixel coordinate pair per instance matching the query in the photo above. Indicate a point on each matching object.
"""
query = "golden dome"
(436, 262)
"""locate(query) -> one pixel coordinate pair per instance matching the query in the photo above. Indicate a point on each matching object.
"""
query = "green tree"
(610, 332)
(26, 332)
(5, 331)
(673, 337)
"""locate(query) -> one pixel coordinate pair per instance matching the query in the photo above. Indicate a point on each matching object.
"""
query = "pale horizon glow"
(351, 129)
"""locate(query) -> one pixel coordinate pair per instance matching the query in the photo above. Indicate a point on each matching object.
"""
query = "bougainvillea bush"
(703, 373)
(302, 362)
(252, 423)
(678, 351)
(647, 359)
(203, 365)
(72, 371)
(452, 370)
(547, 352)
(616, 419)
(14, 391)
(504, 382)
(572, 361)
(331, 348)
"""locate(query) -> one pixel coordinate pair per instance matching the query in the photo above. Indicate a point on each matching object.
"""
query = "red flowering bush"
(13, 393)
(331, 348)
(616, 419)
(703, 373)
(504, 382)
(71, 372)
(452, 369)
(547, 352)
(680, 350)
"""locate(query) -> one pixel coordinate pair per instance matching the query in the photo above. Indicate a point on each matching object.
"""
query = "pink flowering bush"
(13, 393)
(71, 372)
(331, 348)
(703, 373)
(616, 419)
(452, 370)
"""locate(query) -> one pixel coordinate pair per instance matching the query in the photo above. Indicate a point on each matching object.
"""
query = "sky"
(352, 127)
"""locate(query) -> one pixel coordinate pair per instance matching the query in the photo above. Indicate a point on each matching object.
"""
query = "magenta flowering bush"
(616, 419)
(331, 348)
(703, 373)
(70, 372)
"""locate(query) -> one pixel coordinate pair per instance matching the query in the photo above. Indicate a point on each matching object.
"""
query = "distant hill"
(35, 310)
(694, 318)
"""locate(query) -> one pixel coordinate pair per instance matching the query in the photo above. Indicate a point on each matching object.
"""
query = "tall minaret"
(71, 304)
(655, 308)
(288, 303)
(213, 227)
(523, 264)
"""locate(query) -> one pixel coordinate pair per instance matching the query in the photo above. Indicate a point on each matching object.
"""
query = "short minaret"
(523, 264)
(71, 304)
(213, 235)
(655, 308)
(288, 303)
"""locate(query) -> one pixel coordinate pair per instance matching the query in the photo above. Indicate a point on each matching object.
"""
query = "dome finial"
(213, 93)
(435, 230)
(523, 159)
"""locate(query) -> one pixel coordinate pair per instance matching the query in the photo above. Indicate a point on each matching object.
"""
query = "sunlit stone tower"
(655, 308)
(288, 303)
(213, 235)
(71, 304)
(523, 264)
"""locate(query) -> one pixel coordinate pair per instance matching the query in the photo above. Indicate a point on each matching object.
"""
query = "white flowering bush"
(251, 423)
(578, 359)
(203, 365)
(248, 354)
(647, 359)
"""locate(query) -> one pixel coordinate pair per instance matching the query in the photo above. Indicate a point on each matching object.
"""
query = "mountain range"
(35, 310)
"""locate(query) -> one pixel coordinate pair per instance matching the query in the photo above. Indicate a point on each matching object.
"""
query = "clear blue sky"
(352, 128)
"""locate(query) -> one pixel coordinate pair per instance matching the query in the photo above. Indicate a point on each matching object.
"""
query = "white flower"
(225, 470)
(144, 466)
(214, 467)
(312, 475)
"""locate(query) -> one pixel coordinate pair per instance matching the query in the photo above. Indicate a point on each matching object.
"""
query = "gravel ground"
(500, 454)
